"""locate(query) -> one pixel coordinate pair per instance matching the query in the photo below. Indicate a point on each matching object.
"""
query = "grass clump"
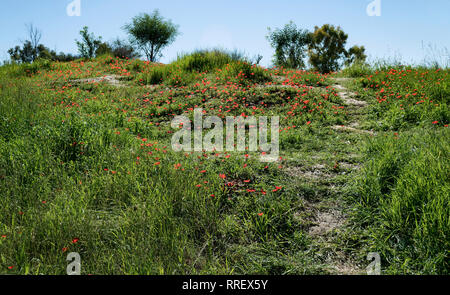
(357, 70)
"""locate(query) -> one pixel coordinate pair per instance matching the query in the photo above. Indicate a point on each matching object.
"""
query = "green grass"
(403, 190)
(88, 168)
(403, 196)
(190, 68)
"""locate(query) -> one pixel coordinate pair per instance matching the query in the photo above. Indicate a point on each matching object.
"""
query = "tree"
(14, 54)
(327, 48)
(31, 49)
(89, 44)
(151, 34)
(34, 35)
(28, 53)
(117, 48)
(356, 54)
(290, 46)
(103, 48)
(123, 49)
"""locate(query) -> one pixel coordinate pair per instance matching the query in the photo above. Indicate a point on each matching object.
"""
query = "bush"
(188, 66)
(244, 73)
(205, 60)
(27, 69)
(123, 49)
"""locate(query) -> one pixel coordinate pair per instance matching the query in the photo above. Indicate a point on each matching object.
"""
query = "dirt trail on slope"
(113, 80)
(328, 217)
(352, 105)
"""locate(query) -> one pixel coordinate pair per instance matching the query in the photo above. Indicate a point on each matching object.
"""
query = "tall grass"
(76, 175)
(404, 201)
(403, 193)
(88, 168)
(357, 69)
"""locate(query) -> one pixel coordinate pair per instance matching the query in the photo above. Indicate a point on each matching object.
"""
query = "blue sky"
(402, 28)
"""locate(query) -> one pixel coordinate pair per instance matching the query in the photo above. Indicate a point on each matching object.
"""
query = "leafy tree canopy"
(151, 34)
(289, 44)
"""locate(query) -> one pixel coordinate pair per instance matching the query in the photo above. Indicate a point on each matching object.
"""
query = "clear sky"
(402, 28)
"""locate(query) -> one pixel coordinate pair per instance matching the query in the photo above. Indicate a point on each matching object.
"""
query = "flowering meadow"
(86, 166)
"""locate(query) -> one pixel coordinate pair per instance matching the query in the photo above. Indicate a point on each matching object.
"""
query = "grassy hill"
(86, 165)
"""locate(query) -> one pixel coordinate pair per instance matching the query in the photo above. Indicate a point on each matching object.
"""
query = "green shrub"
(188, 67)
(244, 73)
(26, 69)
(204, 60)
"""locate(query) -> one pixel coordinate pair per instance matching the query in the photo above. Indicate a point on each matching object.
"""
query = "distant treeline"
(323, 50)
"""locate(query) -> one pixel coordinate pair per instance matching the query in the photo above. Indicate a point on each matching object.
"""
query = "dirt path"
(113, 80)
(327, 216)
(353, 106)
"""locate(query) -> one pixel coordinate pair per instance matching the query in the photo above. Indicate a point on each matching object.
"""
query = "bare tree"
(34, 35)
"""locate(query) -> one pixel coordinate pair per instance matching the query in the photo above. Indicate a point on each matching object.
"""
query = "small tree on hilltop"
(289, 44)
(151, 34)
(327, 48)
(356, 54)
(123, 49)
(89, 44)
(103, 48)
